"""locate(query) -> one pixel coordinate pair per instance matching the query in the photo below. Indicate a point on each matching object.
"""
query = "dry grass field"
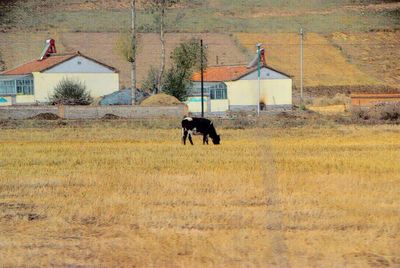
(324, 63)
(376, 54)
(121, 195)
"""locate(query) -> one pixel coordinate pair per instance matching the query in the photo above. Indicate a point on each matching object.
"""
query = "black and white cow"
(199, 126)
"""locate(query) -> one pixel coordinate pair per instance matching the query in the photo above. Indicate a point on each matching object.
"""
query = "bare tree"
(159, 8)
(133, 51)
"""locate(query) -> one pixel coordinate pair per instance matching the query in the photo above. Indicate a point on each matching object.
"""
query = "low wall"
(93, 112)
(372, 99)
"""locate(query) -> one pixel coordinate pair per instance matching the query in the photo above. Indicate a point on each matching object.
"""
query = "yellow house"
(237, 88)
(35, 81)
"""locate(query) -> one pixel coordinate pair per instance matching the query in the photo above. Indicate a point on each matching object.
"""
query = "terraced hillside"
(376, 54)
(338, 60)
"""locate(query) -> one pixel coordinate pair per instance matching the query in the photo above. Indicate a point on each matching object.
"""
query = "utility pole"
(202, 77)
(259, 76)
(301, 63)
(133, 47)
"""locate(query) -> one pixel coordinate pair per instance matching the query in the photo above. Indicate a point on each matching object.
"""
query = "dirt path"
(274, 215)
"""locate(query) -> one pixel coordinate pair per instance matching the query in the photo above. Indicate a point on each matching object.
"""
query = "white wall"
(79, 64)
(194, 104)
(273, 92)
(99, 84)
(219, 105)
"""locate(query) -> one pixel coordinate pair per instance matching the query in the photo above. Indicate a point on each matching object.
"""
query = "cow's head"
(216, 140)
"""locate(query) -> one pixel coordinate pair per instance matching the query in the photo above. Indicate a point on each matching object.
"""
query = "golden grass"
(97, 196)
(375, 53)
(160, 99)
(324, 64)
(329, 109)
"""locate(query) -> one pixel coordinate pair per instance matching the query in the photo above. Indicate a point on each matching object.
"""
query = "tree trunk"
(162, 39)
(133, 47)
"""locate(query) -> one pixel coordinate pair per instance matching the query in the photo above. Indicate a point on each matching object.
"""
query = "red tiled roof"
(47, 63)
(222, 73)
(39, 65)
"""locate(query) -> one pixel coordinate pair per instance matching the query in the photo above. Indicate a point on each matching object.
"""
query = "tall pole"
(133, 47)
(259, 76)
(202, 77)
(301, 64)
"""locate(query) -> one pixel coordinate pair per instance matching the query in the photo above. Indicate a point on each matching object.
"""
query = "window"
(25, 87)
(7, 87)
(218, 92)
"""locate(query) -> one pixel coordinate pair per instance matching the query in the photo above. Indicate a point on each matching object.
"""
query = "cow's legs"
(184, 136)
(190, 137)
(205, 139)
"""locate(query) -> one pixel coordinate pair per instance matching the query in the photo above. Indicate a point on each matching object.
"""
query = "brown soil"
(18, 48)
(111, 117)
(45, 116)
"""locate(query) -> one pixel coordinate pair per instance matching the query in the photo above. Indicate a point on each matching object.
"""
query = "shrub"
(70, 92)
(336, 100)
(389, 111)
(150, 83)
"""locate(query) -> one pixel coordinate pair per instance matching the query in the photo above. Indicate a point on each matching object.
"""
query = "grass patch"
(209, 16)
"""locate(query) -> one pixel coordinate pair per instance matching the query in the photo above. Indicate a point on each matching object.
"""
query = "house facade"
(230, 88)
(35, 81)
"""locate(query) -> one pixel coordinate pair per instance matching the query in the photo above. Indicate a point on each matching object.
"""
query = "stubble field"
(124, 195)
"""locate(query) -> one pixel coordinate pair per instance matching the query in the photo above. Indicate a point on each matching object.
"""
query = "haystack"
(160, 100)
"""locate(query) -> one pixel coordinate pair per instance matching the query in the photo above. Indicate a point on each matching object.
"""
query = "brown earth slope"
(18, 48)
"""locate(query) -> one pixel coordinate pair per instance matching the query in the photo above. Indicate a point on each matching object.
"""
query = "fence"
(372, 99)
(93, 112)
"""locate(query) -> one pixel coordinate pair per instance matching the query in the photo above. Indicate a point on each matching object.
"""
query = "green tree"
(71, 92)
(186, 60)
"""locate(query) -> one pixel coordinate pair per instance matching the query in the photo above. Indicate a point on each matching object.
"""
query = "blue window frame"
(17, 87)
(7, 87)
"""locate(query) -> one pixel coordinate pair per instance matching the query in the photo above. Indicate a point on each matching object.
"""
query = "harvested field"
(324, 64)
(18, 48)
(375, 53)
(108, 194)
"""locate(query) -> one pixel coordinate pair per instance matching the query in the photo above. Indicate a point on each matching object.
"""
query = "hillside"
(19, 47)
(338, 59)
(347, 42)
(206, 16)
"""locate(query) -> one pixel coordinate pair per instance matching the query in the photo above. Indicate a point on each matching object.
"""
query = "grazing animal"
(199, 126)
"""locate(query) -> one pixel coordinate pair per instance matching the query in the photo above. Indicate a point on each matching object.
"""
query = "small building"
(34, 82)
(236, 88)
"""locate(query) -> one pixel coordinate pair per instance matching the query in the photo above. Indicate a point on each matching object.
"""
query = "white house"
(33, 82)
(236, 88)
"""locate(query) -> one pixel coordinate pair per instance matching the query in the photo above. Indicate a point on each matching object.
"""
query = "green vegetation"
(70, 92)
(186, 58)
